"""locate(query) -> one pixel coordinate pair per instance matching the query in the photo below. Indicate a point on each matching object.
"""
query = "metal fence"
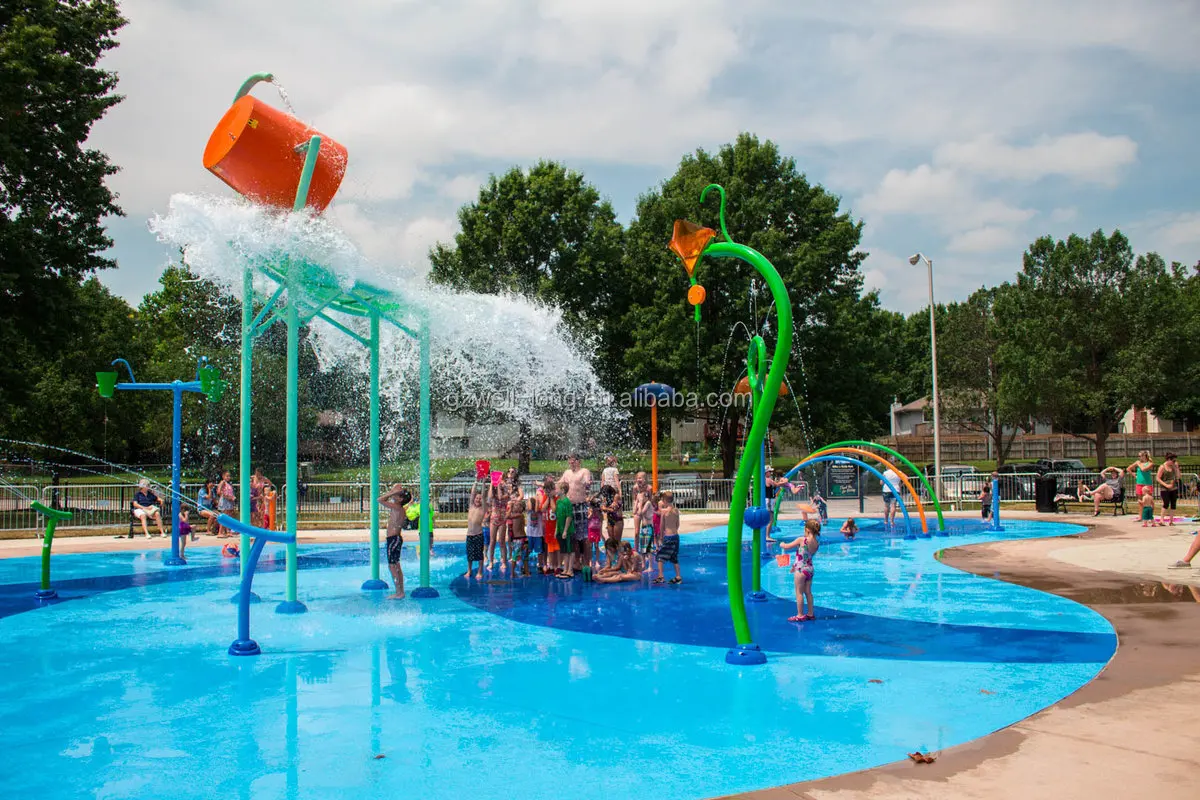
(110, 505)
(349, 503)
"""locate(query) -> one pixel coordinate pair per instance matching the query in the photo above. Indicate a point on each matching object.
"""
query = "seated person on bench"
(146, 507)
(1107, 491)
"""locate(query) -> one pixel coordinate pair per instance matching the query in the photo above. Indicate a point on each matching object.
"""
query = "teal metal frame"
(307, 292)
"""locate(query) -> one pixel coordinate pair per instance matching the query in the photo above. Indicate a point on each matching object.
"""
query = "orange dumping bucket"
(253, 149)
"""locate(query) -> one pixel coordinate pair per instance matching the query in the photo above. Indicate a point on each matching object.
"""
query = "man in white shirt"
(889, 499)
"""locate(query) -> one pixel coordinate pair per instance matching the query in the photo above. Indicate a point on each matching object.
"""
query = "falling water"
(498, 353)
(283, 96)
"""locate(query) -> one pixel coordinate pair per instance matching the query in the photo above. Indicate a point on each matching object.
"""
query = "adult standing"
(1168, 479)
(1144, 468)
(578, 479)
(890, 479)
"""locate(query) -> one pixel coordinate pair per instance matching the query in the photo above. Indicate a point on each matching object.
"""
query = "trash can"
(1044, 489)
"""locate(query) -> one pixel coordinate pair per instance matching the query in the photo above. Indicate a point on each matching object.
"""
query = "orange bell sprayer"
(270, 157)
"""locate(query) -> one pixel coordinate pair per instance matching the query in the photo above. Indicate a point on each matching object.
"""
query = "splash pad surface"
(534, 688)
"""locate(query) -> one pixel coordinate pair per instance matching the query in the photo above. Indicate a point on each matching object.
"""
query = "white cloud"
(1088, 157)
(462, 188)
(919, 191)
(982, 240)
(940, 194)
(939, 116)
(1060, 215)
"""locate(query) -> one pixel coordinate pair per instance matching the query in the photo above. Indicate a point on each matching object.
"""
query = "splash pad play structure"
(273, 159)
(692, 242)
(367, 698)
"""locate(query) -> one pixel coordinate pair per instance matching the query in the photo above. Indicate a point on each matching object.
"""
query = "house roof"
(916, 405)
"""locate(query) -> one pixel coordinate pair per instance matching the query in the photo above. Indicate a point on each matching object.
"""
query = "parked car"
(454, 496)
(688, 489)
(1017, 480)
(959, 481)
(1062, 465)
(1069, 471)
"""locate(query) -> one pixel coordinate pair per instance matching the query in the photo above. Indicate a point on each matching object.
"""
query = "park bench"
(1064, 503)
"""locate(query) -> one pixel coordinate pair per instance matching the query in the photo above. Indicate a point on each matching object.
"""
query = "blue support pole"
(996, 526)
(244, 645)
(176, 560)
(177, 388)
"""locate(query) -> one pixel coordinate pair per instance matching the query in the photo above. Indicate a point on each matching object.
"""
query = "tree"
(52, 191)
(1090, 331)
(970, 372)
(546, 234)
(1180, 399)
(799, 227)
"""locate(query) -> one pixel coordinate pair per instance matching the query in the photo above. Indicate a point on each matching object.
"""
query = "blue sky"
(963, 130)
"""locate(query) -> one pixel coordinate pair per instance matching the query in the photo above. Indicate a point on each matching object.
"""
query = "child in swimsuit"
(519, 542)
(611, 506)
(476, 515)
(806, 547)
(595, 531)
(499, 525)
(1147, 504)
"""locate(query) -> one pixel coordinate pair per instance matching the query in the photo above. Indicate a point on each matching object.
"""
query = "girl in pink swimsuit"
(806, 547)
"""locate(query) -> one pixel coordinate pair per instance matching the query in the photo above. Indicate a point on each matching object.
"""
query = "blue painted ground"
(538, 688)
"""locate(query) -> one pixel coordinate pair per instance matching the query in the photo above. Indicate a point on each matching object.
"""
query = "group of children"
(564, 538)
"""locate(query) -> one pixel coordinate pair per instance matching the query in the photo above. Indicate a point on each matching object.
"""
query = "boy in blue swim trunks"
(396, 502)
(668, 551)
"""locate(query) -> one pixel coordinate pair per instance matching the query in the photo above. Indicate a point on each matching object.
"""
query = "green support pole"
(425, 590)
(52, 517)
(374, 583)
(292, 605)
(937, 504)
(758, 430)
(247, 374)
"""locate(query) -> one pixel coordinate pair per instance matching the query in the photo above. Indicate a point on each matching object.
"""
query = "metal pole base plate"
(374, 585)
(237, 598)
(423, 593)
(291, 607)
(244, 647)
(745, 655)
(45, 594)
(757, 597)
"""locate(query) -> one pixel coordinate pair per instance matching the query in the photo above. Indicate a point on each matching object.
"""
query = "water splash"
(500, 355)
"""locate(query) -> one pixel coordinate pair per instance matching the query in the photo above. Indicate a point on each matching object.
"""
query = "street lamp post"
(937, 421)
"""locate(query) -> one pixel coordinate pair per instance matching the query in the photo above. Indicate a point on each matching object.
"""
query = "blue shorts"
(889, 499)
(668, 551)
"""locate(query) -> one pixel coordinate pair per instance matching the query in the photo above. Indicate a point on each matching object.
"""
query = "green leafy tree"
(800, 228)
(1180, 399)
(52, 191)
(1090, 331)
(970, 373)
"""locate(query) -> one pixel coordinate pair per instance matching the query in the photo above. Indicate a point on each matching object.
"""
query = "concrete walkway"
(1130, 733)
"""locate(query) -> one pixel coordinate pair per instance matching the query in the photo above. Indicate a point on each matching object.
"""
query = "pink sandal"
(797, 618)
